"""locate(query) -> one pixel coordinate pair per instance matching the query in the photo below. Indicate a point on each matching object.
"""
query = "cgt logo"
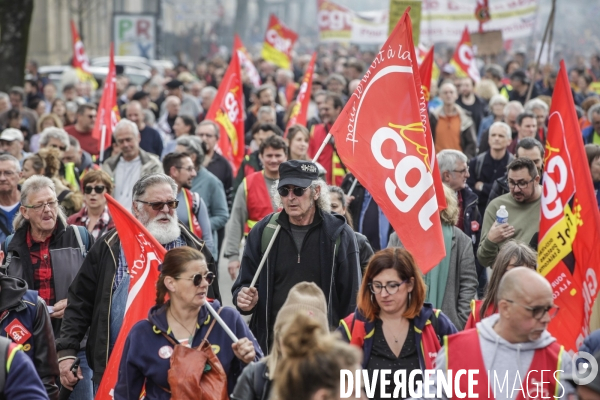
(279, 43)
(334, 20)
(465, 55)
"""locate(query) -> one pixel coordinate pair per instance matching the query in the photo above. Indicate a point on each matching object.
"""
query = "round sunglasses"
(98, 189)
(298, 191)
(197, 278)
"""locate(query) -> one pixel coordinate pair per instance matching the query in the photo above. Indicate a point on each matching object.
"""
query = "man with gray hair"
(511, 111)
(98, 296)
(490, 165)
(10, 196)
(47, 254)
(326, 249)
(56, 138)
(207, 96)
(11, 141)
(265, 96)
(131, 164)
(591, 134)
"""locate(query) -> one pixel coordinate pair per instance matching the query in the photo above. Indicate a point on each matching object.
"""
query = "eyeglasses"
(206, 135)
(520, 184)
(159, 205)
(197, 278)
(298, 191)
(7, 174)
(462, 171)
(51, 205)
(61, 148)
(390, 287)
(98, 189)
(188, 169)
(539, 311)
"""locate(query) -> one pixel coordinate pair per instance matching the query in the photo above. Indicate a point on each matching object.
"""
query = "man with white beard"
(98, 295)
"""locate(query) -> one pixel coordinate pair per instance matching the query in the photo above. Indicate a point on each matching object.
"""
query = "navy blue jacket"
(140, 362)
(588, 134)
(22, 383)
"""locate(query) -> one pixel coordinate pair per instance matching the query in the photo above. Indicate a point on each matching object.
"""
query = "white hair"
(534, 104)
(448, 158)
(8, 157)
(126, 124)
(595, 109)
(497, 99)
(209, 89)
(504, 126)
(323, 201)
(34, 184)
(54, 133)
(513, 106)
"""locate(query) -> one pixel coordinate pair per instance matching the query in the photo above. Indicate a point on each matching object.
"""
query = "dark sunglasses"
(197, 278)
(298, 191)
(159, 205)
(98, 189)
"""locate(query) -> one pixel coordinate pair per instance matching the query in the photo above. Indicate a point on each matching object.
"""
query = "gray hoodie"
(506, 359)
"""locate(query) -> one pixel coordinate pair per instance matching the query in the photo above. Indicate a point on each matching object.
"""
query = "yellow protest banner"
(397, 8)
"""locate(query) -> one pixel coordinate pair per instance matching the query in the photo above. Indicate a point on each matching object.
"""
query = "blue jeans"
(84, 388)
(117, 311)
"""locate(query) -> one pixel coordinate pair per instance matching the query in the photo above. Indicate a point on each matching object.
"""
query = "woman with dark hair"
(94, 215)
(183, 320)
(184, 126)
(512, 254)
(59, 108)
(392, 324)
(338, 205)
(592, 152)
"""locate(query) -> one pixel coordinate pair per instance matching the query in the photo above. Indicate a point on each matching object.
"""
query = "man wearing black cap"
(520, 83)
(150, 138)
(312, 246)
(147, 105)
(189, 106)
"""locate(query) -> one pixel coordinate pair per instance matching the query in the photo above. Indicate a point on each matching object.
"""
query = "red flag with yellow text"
(464, 58)
(298, 114)
(226, 111)
(246, 61)
(108, 111)
(143, 254)
(278, 44)
(381, 137)
(80, 61)
(569, 233)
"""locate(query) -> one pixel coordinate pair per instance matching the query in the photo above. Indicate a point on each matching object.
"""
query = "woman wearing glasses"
(392, 324)
(512, 254)
(185, 320)
(94, 215)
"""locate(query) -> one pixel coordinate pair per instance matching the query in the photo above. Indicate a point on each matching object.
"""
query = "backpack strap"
(81, 231)
(4, 350)
(8, 253)
(212, 324)
(268, 232)
(479, 165)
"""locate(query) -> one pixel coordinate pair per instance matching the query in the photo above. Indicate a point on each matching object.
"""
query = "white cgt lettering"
(231, 106)
(554, 188)
(408, 163)
(278, 42)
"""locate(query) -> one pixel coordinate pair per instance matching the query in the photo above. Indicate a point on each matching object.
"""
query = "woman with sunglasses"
(94, 214)
(512, 254)
(392, 324)
(185, 319)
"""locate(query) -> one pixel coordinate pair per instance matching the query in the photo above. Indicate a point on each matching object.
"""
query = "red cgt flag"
(464, 58)
(226, 110)
(381, 137)
(425, 72)
(80, 61)
(278, 44)
(569, 233)
(143, 254)
(298, 114)
(108, 111)
(482, 13)
(246, 61)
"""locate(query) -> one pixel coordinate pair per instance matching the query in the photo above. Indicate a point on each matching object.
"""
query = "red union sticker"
(17, 332)
(474, 226)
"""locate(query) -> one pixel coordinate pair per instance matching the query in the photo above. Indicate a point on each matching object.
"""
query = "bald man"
(513, 345)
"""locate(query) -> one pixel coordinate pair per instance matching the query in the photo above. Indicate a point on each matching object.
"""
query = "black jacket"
(340, 275)
(365, 251)
(90, 296)
(221, 168)
(253, 383)
(486, 173)
(27, 308)
(499, 188)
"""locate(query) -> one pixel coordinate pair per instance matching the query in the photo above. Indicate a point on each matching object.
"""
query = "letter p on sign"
(124, 26)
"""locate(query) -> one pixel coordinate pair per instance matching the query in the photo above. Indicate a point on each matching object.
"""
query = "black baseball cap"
(174, 84)
(298, 173)
(140, 95)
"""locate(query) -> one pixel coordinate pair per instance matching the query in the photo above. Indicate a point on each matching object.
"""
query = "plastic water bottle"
(502, 215)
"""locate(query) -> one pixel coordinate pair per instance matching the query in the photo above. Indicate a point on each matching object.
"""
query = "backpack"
(5, 345)
(81, 233)
(269, 231)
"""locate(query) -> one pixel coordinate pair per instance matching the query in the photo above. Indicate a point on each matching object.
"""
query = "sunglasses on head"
(98, 189)
(298, 191)
(159, 205)
(197, 278)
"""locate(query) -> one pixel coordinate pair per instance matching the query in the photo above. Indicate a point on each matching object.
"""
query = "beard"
(163, 233)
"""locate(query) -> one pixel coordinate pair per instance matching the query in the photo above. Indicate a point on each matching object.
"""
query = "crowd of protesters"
(337, 262)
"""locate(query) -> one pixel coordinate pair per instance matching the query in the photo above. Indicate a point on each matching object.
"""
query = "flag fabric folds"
(246, 61)
(108, 111)
(569, 232)
(80, 61)
(381, 138)
(144, 255)
(464, 58)
(227, 111)
(298, 114)
(278, 44)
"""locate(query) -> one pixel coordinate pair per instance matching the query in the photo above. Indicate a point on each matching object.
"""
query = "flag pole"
(102, 141)
(268, 249)
(549, 23)
(352, 187)
(218, 318)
